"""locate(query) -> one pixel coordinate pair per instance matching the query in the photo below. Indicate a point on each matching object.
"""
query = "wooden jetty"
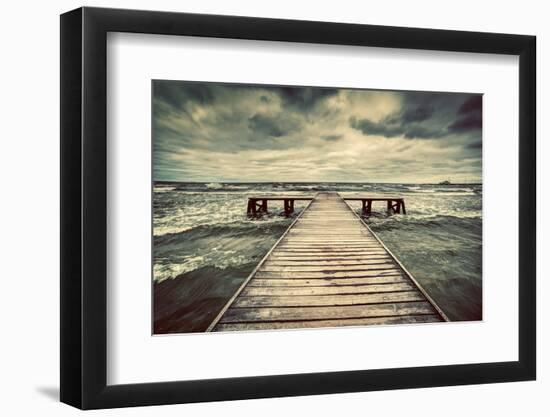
(394, 204)
(327, 270)
(258, 204)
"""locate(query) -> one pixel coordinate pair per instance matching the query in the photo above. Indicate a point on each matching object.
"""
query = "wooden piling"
(258, 204)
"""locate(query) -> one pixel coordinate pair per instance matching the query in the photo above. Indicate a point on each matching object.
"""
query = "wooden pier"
(327, 270)
(393, 204)
(258, 204)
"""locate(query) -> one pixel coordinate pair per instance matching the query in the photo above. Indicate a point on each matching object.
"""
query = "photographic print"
(290, 207)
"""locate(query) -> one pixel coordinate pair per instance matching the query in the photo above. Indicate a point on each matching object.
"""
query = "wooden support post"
(367, 207)
(260, 206)
(289, 206)
(251, 209)
(397, 207)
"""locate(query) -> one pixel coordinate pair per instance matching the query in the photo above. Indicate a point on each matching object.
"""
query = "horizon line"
(313, 182)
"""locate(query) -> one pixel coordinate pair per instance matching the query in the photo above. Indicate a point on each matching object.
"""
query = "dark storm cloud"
(396, 125)
(331, 138)
(273, 126)
(417, 113)
(471, 122)
(469, 116)
(232, 132)
(426, 116)
(471, 105)
(304, 98)
(178, 94)
(475, 145)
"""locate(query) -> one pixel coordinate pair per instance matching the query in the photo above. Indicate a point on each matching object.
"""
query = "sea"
(205, 244)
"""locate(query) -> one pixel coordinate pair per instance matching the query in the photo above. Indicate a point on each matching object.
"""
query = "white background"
(30, 174)
(133, 60)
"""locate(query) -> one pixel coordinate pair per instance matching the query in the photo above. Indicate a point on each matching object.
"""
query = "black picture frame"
(84, 207)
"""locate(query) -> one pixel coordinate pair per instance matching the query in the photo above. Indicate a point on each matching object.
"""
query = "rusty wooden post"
(264, 206)
(403, 206)
(389, 207)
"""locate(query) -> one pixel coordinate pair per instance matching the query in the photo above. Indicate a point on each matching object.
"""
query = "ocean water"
(205, 245)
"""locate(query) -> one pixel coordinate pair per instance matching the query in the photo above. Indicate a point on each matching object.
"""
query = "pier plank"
(251, 291)
(236, 315)
(371, 266)
(328, 269)
(311, 324)
(327, 300)
(328, 274)
(325, 282)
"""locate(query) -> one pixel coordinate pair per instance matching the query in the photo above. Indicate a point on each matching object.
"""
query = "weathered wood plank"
(328, 231)
(332, 221)
(328, 268)
(236, 315)
(311, 324)
(328, 300)
(326, 242)
(332, 238)
(252, 291)
(330, 246)
(320, 282)
(333, 251)
(326, 262)
(327, 274)
(326, 256)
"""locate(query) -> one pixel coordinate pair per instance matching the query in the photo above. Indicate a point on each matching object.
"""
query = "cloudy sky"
(233, 132)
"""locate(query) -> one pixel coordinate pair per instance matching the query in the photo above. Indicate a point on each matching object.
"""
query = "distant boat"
(446, 182)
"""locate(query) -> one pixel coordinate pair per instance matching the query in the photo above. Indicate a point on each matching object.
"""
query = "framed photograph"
(258, 208)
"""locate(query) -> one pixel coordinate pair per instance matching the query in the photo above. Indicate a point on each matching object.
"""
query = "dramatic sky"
(224, 132)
